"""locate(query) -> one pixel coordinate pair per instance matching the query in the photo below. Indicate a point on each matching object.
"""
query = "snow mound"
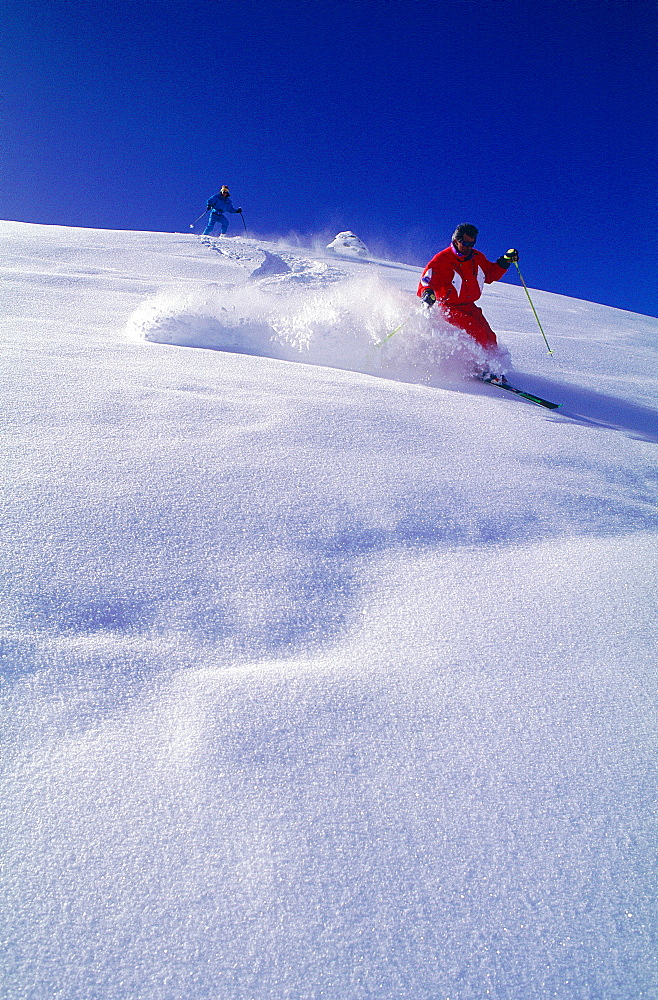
(363, 325)
(273, 264)
(348, 243)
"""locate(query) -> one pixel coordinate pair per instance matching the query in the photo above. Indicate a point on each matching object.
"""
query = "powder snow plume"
(338, 324)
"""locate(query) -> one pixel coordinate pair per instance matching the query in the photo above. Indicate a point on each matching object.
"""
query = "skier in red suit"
(455, 277)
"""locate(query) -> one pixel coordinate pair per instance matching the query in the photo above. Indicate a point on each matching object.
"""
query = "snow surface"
(331, 679)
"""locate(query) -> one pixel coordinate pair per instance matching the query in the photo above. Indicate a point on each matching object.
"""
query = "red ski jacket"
(456, 281)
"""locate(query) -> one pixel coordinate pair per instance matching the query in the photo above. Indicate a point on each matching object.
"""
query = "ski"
(518, 392)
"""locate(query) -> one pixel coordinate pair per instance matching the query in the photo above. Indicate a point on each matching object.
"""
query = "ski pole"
(389, 335)
(193, 224)
(243, 222)
(533, 308)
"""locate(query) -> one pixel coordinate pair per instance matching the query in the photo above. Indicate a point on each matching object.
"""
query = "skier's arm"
(494, 272)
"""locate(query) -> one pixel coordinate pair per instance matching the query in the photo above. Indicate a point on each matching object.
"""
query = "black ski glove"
(508, 258)
(208, 207)
(238, 210)
(428, 297)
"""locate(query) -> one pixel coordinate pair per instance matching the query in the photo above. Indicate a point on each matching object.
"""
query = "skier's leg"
(211, 223)
(481, 330)
(470, 318)
(223, 221)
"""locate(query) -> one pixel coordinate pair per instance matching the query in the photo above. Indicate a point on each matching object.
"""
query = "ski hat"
(224, 191)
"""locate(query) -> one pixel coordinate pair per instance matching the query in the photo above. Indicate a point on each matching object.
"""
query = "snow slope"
(328, 672)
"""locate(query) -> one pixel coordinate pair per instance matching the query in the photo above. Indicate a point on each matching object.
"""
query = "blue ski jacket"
(219, 204)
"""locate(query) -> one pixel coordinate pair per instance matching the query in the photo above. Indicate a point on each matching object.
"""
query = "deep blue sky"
(397, 119)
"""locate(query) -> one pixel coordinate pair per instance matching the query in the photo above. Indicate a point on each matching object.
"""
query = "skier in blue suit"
(218, 205)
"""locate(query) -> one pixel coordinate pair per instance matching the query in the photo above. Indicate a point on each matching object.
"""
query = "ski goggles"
(466, 243)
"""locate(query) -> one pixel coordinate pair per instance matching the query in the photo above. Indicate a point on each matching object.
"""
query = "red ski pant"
(470, 318)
